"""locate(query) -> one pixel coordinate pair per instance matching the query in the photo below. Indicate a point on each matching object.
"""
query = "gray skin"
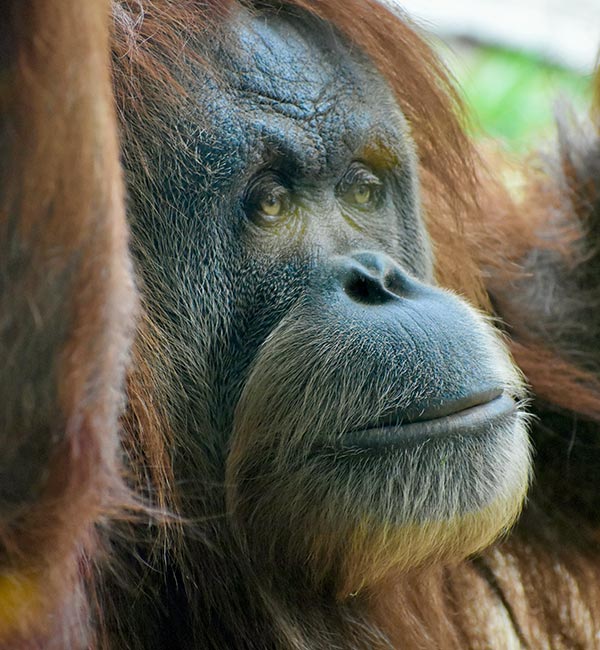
(293, 339)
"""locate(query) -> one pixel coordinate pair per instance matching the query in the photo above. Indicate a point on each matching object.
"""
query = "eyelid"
(263, 184)
(265, 180)
(358, 173)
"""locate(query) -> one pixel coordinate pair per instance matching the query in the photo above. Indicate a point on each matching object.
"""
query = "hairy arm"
(548, 295)
(66, 305)
(549, 292)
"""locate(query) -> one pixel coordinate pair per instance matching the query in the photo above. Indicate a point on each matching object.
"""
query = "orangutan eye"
(267, 200)
(361, 194)
(271, 205)
(360, 187)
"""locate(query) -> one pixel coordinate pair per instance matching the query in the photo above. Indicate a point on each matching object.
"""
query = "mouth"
(474, 415)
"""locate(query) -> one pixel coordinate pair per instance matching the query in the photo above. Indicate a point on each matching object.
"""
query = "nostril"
(372, 279)
(363, 288)
(395, 282)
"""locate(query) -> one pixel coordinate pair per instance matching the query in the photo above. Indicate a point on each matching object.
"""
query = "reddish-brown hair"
(67, 303)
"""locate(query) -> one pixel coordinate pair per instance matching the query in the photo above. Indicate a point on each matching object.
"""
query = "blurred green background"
(513, 95)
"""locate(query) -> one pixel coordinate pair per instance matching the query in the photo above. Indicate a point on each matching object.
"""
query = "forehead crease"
(277, 63)
(317, 139)
(328, 105)
(298, 93)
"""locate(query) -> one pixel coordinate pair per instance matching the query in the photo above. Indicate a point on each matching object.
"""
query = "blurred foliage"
(513, 96)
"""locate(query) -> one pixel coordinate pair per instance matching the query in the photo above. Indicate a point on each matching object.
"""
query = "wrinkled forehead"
(290, 82)
(293, 62)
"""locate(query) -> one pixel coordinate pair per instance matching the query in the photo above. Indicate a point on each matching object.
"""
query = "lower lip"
(468, 422)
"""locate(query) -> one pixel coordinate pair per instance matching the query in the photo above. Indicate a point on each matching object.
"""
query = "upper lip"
(444, 409)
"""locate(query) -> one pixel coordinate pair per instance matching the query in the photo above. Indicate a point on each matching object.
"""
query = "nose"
(372, 278)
